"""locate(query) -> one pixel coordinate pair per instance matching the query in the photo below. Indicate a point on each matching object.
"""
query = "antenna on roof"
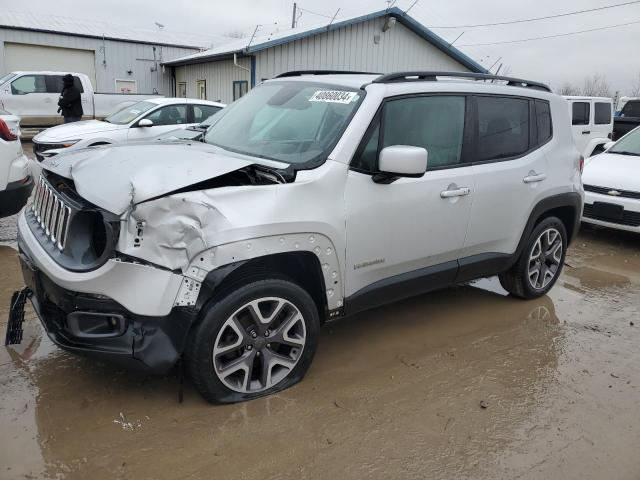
(411, 6)
(253, 36)
(159, 25)
(334, 17)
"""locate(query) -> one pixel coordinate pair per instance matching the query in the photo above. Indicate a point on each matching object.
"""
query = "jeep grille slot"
(52, 213)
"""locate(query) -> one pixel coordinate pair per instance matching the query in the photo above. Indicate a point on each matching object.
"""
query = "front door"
(412, 226)
(165, 119)
(30, 100)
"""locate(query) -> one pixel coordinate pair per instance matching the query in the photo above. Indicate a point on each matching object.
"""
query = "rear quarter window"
(603, 113)
(543, 122)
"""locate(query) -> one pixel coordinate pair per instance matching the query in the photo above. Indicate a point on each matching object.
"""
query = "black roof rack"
(433, 76)
(298, 73)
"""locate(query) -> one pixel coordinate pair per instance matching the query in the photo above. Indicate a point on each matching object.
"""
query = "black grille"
(40, 148)
(630, 219)
(606, 190)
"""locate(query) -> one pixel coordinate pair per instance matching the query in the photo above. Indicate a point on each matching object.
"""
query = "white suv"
(315, 196)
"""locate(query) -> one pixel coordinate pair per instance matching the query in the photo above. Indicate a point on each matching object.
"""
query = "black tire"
(199, 351)
(516, 281)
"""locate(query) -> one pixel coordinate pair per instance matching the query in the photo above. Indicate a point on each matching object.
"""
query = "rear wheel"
(259, 339)
(540, 263)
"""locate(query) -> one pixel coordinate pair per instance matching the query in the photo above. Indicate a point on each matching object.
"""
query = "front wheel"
(259, 339)
(540, 263)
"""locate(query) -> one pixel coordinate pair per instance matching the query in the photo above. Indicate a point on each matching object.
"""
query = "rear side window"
(543, 122)
(631, 109)
(202, 112)
(602, 114)
(54, 83)
(432, 122)
(581, 113)
(503, 128)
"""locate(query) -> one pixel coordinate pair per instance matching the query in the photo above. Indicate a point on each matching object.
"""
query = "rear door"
(165, 119)
(581, 123)
(54, 88)
(509, 169)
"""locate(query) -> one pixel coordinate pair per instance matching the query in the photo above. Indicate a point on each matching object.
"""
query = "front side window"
(435, 123)
(29, 84)
(581, 113)
(603, 113)
(129, 114)
(293, 122)
(169, 115)
(503, 128)
(543, 121)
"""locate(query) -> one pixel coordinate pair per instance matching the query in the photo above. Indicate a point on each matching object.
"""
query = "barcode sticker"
(333, 96)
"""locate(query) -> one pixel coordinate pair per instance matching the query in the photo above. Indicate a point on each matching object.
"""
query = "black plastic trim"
(15, 196)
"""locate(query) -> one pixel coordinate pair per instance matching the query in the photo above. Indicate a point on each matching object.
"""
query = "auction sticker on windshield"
(333, 96)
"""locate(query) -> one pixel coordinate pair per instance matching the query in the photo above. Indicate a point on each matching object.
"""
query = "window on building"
(202, 112)
(182, 90)
(503, 128)
(543, 119)
(602, 113)
(240, 88)
(201, 89)
(169, 115)
(581, 113)
(29, 84)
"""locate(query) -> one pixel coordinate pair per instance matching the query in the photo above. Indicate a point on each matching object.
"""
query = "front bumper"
(629, 221)
(99, 327)
(15, 196)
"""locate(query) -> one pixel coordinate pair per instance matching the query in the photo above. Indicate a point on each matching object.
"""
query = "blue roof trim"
(406, 20)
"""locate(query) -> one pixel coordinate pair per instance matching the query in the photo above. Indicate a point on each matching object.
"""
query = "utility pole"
(295, 13)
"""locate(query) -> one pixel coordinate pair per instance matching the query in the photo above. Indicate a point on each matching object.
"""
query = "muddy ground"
(394, 393)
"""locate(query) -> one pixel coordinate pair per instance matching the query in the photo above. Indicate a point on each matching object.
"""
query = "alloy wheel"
(545, 259)
(259, 345)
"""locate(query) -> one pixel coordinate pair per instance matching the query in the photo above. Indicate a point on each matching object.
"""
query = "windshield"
(7, 77)
(128, 114)
(292, 122)
(628, 145)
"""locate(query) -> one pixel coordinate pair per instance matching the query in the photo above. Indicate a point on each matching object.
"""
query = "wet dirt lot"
(397, 392)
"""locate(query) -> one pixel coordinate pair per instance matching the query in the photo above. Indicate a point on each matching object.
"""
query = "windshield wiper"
(624, 152)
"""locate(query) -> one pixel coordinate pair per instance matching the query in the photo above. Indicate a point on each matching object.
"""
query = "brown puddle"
(392, 393)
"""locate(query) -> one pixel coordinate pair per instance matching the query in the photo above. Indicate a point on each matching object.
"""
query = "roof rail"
(433, 76)
(298, 73)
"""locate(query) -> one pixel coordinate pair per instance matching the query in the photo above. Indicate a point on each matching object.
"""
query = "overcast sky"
(613, 52)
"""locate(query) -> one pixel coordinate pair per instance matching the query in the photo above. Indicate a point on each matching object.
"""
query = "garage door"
(22, 56)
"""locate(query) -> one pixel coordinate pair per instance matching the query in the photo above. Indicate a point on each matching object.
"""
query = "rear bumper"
(99, 327)
(15, 196)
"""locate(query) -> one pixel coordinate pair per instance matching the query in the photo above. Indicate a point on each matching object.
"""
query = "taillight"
(6, 134)
(581, 164)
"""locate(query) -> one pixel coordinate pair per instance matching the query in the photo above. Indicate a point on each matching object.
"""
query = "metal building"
(116, 58)
(383, 41)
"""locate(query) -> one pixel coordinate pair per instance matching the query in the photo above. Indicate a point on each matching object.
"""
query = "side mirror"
(145, 122)
(401, 161)
(608, 145)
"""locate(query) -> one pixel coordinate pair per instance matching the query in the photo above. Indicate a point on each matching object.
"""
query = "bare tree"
(570, 89)
(596, 86)
(635, 90)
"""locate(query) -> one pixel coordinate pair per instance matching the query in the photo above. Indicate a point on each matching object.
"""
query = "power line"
(550, 36)
(577, 12)
(320, 14)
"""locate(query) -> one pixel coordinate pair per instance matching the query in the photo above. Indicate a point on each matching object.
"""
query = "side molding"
(235, 252)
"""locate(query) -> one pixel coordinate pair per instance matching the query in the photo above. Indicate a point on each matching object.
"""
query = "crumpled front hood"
(613, 171)
(116, 177)
(75, 131)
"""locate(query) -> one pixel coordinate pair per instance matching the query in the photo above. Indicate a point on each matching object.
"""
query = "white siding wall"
(353, 48)
(219, 76)
(119, 56)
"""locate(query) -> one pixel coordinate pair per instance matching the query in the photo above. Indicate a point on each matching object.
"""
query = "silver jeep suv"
(315, 196)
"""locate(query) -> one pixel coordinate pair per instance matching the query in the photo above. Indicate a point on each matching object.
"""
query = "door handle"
(586, 132)
(458, 192)
(534, 177)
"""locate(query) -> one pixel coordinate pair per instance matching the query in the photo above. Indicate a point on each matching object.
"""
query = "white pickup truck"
(33, 96)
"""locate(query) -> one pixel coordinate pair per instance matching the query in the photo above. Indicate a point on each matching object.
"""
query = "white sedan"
(15, 182)
(612, 185)
(144, 121)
